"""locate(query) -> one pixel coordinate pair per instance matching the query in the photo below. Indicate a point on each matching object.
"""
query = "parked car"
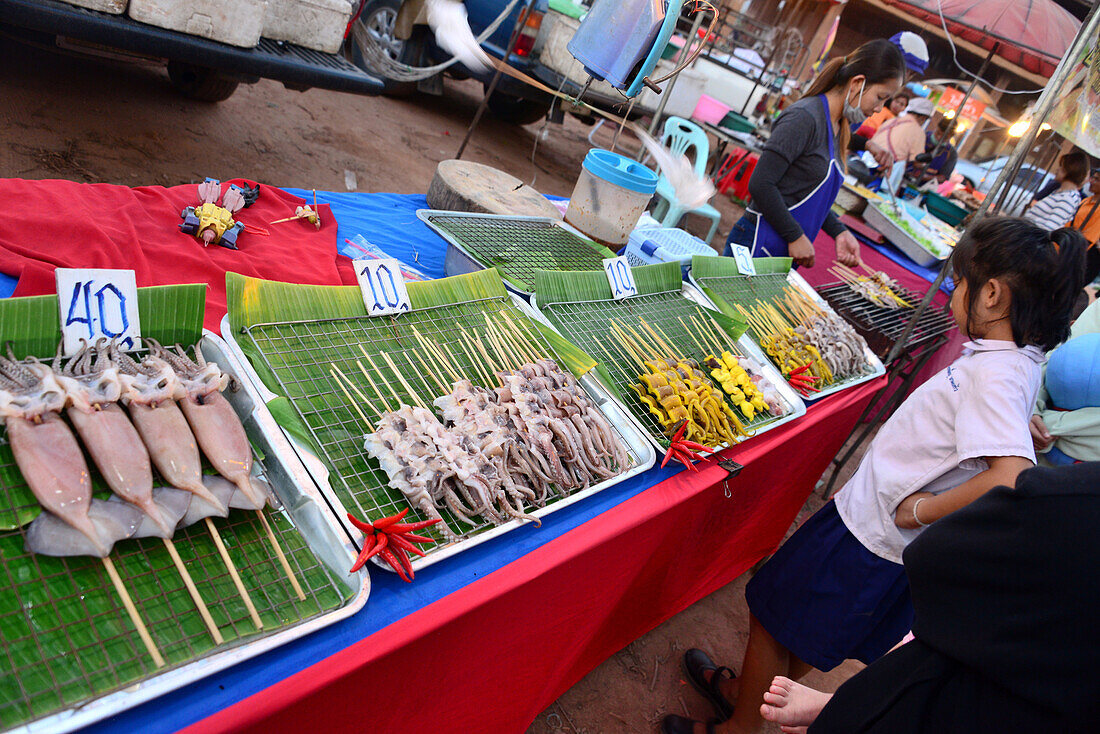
(512, 100)
(982, 175)
(201, 69)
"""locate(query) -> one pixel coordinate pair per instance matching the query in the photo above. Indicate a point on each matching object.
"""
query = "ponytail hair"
(1044, 271)
(877, 61)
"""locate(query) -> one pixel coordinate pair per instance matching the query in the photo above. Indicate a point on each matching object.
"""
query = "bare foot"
(792, 705)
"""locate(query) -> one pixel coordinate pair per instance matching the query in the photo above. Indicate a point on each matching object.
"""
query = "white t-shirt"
(979, 406)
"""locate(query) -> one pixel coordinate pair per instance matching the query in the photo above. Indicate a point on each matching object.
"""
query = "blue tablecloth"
(388, 221)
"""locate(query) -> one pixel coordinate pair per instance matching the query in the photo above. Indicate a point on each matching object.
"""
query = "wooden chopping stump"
(465, 186)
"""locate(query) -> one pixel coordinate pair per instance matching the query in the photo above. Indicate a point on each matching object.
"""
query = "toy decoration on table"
(309, 214)
(212, 224)
(876, 286)
(811, 346)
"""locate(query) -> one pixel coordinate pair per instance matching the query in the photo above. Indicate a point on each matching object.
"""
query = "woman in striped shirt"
(1057, 209)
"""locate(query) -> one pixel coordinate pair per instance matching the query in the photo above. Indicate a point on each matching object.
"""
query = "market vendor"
(915, 52)
(802, 166)
(891, 110)
(943, 160)
(1087, 222)
(903, 137)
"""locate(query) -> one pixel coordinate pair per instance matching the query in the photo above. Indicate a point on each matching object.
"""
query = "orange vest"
(1087, 221)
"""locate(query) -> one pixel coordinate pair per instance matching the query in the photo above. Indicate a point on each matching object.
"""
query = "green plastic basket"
(944, 209)
(737, 123)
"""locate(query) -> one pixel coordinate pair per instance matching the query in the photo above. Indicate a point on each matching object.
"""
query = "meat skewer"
(149, 390)
(52, 464)
(220, 434)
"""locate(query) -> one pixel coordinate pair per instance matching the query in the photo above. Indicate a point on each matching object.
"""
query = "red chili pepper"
(374, 546)
(403, 557)
(686, 461)
(417, 538)
(691, 454)
(801, 369)
(404, 527)
(363, 525)
(390, 558)
(668, 455)
(385, 522)
(680, 431)
(400, 542)
(695, 446)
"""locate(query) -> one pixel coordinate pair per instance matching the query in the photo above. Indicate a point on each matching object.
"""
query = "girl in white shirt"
(837, 589)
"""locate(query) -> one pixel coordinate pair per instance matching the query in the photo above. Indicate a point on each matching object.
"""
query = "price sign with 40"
(98, 303)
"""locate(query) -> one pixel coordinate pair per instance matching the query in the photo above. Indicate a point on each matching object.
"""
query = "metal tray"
(525, 244)
(306, 509)
(901, 239)
(877, 368)
(798, 407)
(643, 457)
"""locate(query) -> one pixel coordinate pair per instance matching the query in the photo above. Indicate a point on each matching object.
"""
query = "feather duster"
(691, 190)
(451, 26)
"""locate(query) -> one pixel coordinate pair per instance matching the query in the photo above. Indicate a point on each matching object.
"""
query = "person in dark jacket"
(1007, 598)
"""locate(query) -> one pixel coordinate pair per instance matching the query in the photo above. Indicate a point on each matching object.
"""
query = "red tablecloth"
(491, 656)
(108, 226)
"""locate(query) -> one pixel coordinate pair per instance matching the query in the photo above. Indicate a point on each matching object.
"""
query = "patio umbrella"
(1034, 34)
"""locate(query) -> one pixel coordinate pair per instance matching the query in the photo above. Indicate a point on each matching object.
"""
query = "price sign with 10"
(98, 303)
(743, 257)
(620, 277)
(383, 286)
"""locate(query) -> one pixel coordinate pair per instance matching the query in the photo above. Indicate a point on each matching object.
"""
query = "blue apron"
(810, 213)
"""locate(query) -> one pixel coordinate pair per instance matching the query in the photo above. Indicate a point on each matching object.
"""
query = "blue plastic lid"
(620, 170)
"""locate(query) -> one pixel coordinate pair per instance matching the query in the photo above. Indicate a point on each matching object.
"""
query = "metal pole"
(1046, 102)
(520, 21)
(692, 36)
(958, 113)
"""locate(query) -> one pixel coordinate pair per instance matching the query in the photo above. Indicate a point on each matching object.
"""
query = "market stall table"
(529, 613)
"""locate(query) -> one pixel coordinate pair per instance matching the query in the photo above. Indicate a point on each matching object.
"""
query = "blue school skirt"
(826, 598)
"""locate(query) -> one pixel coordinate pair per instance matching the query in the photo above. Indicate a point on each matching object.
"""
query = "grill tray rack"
(299, 355)
(587, 323)
(515, 246)
(881, 327)
(69, 655)
(766, 287)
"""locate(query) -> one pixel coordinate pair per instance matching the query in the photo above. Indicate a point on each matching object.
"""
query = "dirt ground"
(100, 121)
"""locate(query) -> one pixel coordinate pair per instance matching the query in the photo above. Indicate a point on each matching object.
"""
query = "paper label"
(743, 257)
(97, 303)
(620, 277)
(383, 286)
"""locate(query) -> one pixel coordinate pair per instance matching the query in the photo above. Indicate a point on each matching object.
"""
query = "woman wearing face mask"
(800, 171)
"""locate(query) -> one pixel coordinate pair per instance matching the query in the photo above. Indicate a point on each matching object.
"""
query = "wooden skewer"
(480, 367)
(189, 584)
(521, 332)
(692, 333)
(517, 345)
(625, 349)
(282, 557)
(135, 618)
(661, 343)
(428, 371)
(491, 363)
(433, 349)
(336, 374)
(467, 351)
(389, 387)
(505, 358)
(504, 343)
(238, 584)
(401, 377)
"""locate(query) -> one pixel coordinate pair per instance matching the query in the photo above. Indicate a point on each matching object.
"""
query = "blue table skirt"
(388, 221)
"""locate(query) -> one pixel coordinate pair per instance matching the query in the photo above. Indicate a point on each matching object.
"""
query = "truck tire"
(200, 83)
(517, 109)
(378, 20)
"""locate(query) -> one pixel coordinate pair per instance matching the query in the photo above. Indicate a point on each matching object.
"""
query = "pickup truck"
(512, 100)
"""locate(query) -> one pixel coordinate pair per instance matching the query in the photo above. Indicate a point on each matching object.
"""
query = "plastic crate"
(943, 208)
(651, 246)
(737, 123)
